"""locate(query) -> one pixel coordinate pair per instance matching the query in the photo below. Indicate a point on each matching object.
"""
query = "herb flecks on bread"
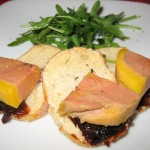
(62, 75)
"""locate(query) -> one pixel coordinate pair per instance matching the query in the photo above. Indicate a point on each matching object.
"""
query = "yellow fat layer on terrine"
(17, 80)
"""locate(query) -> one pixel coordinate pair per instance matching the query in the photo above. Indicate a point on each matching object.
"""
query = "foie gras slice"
(100, 101)
(17, 80)
(133, 71)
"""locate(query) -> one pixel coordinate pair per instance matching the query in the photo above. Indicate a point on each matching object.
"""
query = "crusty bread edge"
(77, 141)
(43, 110)
(74, 138)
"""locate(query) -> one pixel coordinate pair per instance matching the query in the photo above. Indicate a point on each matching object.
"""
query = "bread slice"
(38, 55)
(70, 68)
(110, 55)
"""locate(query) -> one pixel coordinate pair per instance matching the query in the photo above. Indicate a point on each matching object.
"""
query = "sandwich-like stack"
(91, 94)
(84, 98)
(111, 54)
(35, 105)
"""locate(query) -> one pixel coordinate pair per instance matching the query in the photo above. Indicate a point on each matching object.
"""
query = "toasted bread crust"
(70, 68)
(38, 55)
(77, 136)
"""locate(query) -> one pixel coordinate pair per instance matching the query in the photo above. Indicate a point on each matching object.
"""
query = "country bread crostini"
(35, 105)
(71, 67)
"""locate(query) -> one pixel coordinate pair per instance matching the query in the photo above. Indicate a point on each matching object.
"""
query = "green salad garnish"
(70, 28)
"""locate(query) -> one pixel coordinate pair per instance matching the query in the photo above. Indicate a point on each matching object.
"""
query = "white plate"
(43, 133)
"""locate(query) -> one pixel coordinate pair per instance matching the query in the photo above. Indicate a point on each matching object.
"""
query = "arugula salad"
(80, 27)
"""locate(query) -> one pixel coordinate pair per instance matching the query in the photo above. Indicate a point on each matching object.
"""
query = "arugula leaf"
(69, 28)
(41, 24)
(95, 9)
(59, 9)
